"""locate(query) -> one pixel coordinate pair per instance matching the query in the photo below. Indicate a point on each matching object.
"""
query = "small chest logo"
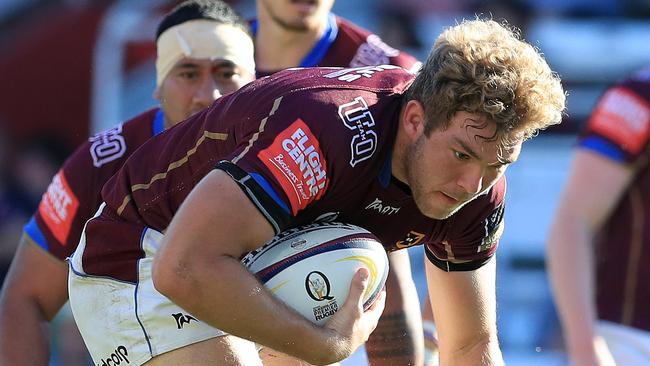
(382, 208)
(107, 146)
(373, 52)
(182, 319)
(412, 238)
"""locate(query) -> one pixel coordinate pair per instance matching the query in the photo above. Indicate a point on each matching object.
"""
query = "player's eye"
(189, 75)
(461, 155)
(227, 74)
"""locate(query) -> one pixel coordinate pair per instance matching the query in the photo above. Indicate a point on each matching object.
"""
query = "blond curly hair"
(483, 67)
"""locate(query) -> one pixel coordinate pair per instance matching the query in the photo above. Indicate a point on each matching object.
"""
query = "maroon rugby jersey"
(620, 129)
(303, 144)
(74, 194)
(348, 45)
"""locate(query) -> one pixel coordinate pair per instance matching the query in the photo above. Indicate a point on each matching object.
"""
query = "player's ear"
(413, 119)
(156, 93)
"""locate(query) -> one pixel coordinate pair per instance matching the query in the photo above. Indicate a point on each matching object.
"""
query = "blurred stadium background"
(69, 68)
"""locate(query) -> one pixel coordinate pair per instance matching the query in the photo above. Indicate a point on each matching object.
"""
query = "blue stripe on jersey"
(268, 189)
(158, 122)
(317, 53)
(31, 228)
(319, 50)
(604, 147)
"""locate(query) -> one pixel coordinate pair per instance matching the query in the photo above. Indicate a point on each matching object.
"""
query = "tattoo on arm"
(391, 338)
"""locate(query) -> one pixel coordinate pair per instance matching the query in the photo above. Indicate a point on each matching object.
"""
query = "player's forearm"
(570, 265)
(24, 336)
(222, 293)
(397, 339)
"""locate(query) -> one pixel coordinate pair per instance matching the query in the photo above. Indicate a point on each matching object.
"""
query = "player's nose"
(207, 93)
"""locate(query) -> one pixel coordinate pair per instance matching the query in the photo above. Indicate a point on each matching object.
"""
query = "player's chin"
(434, 209)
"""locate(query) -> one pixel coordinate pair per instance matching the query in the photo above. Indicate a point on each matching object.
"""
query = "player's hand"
(353, 325)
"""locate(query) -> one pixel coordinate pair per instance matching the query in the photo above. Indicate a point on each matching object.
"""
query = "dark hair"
(202, 9)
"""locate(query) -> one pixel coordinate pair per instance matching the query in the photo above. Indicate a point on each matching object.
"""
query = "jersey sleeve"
(472, 234)
(296, 141)
(619, 127)
(73, 195)
(282, 164)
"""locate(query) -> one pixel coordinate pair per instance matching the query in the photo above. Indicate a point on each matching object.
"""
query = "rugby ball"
(310, 267)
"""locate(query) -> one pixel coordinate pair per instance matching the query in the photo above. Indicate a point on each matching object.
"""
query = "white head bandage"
(203, 39)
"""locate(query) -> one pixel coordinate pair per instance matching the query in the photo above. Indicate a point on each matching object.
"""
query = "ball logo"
(298, 243)
(318, 286)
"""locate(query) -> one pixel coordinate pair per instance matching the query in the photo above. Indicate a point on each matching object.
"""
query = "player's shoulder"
(108, 148)
(381, 78)
(370, 49)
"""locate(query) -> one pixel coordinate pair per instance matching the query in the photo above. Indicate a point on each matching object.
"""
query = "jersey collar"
(319, 50)
(158, 124)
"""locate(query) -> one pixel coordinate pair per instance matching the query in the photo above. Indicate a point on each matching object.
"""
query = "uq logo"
(107, 146)
(357, 117)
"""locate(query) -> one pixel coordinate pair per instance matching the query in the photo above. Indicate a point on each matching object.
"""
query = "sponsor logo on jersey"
(494, 226)
(356, 117)
(382, 208)
(116, 358)
(182, 319)
(355, 73)
(373, 52)
(412, 238)
(623, 117)
(297, 162)
(107, 146)
(58, 207)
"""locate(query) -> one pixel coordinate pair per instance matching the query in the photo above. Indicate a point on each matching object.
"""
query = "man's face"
(193, 84)
(297, 15)
(453, 166)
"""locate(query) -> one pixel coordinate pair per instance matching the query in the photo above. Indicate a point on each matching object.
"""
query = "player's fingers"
(380, 301)
(376, 309)
(358, 287)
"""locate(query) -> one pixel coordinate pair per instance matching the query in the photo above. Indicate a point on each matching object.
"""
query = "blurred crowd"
(57, 85)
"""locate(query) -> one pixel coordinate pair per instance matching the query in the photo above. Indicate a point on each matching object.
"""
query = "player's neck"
(277, 48)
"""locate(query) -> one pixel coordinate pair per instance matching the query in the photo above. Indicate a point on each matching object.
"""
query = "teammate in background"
(287, 149)
(204, 51)
(599, 243)
(305, 33)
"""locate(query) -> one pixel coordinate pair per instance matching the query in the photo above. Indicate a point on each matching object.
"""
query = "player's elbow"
(167, 276)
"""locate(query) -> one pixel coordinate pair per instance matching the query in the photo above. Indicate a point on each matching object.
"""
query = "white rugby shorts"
(124, 323)
(629, 346)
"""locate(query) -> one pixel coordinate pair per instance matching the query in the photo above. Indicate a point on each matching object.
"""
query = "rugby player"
(293, 147)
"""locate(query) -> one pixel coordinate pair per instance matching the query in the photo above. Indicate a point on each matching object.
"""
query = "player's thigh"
(226, 350)
(272, 357)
